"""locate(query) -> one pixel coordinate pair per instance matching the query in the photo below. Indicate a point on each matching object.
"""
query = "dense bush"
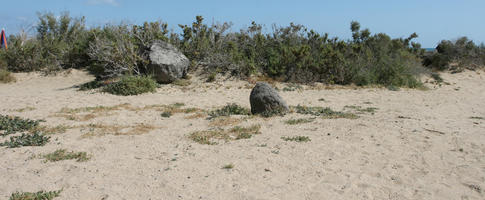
(60, 42)
(132, 85)
(291, 53)
(456, 55)
(295, 54)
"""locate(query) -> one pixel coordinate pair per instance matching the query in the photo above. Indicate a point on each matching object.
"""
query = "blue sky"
(433, 20)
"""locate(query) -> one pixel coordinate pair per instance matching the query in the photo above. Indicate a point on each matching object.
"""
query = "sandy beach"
(415, 144)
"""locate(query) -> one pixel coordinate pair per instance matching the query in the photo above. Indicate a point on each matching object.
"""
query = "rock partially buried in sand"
(167, 63)
(265, 99)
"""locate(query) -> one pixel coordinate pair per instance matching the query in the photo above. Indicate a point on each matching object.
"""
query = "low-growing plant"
(235, 133)
(166, 114)
(41, 195)
(436, 76)
(6, 76)
(326, 113)
(91, 85)
(229, 109)
(228, 166)
(292, 87)
(279, 111)
(211, 77)
(245, 132)
(132, 85)
(299, 121)
(63, 154)
(207, 137)
(34, 139)
(361, 110)
(11, 124)
(297, 139)
(182, 82)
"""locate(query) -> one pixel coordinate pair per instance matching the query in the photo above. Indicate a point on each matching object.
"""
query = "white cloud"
(99, 2)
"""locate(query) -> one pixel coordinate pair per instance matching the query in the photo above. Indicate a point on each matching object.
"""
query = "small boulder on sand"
(167, 63)
(265, 99)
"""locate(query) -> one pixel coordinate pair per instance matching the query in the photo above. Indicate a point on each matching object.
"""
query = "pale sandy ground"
(389, 155)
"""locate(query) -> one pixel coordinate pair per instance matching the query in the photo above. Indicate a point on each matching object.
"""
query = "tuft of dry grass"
(52, 130)
(225, 121)
(196, 116)
(103, 129)
(88, 113)
(299, 121)
(182, 82)
(360, 110)
(236, 133)
(28, 108)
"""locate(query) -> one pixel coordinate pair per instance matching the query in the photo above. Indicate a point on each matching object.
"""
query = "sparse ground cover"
(233, 150)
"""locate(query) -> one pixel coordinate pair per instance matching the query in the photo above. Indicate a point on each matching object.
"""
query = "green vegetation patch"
(229, 109)
(6, 76)
(326, 113)
(11, 124)
(132, 85)
(63, 154)
(91, 85)
(34, 139)
(297, 139)
(41, 195)
(299, 121)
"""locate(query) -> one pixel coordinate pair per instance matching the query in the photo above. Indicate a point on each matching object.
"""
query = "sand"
(417, 145)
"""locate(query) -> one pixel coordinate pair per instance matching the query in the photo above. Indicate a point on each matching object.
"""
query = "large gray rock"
(264, 98)
(167, 63)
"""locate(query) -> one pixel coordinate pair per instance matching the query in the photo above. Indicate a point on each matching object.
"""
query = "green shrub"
(91, 85)
(132, 85)
(41, 195)
(292, 53)
(34, 139)
(6, 76)
(60, 42)
(456, 55)
(229, 109)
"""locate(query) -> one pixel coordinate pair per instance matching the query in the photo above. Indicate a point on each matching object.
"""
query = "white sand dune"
(417, 145)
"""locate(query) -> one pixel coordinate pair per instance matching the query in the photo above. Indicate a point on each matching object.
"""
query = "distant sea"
(429, 49)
